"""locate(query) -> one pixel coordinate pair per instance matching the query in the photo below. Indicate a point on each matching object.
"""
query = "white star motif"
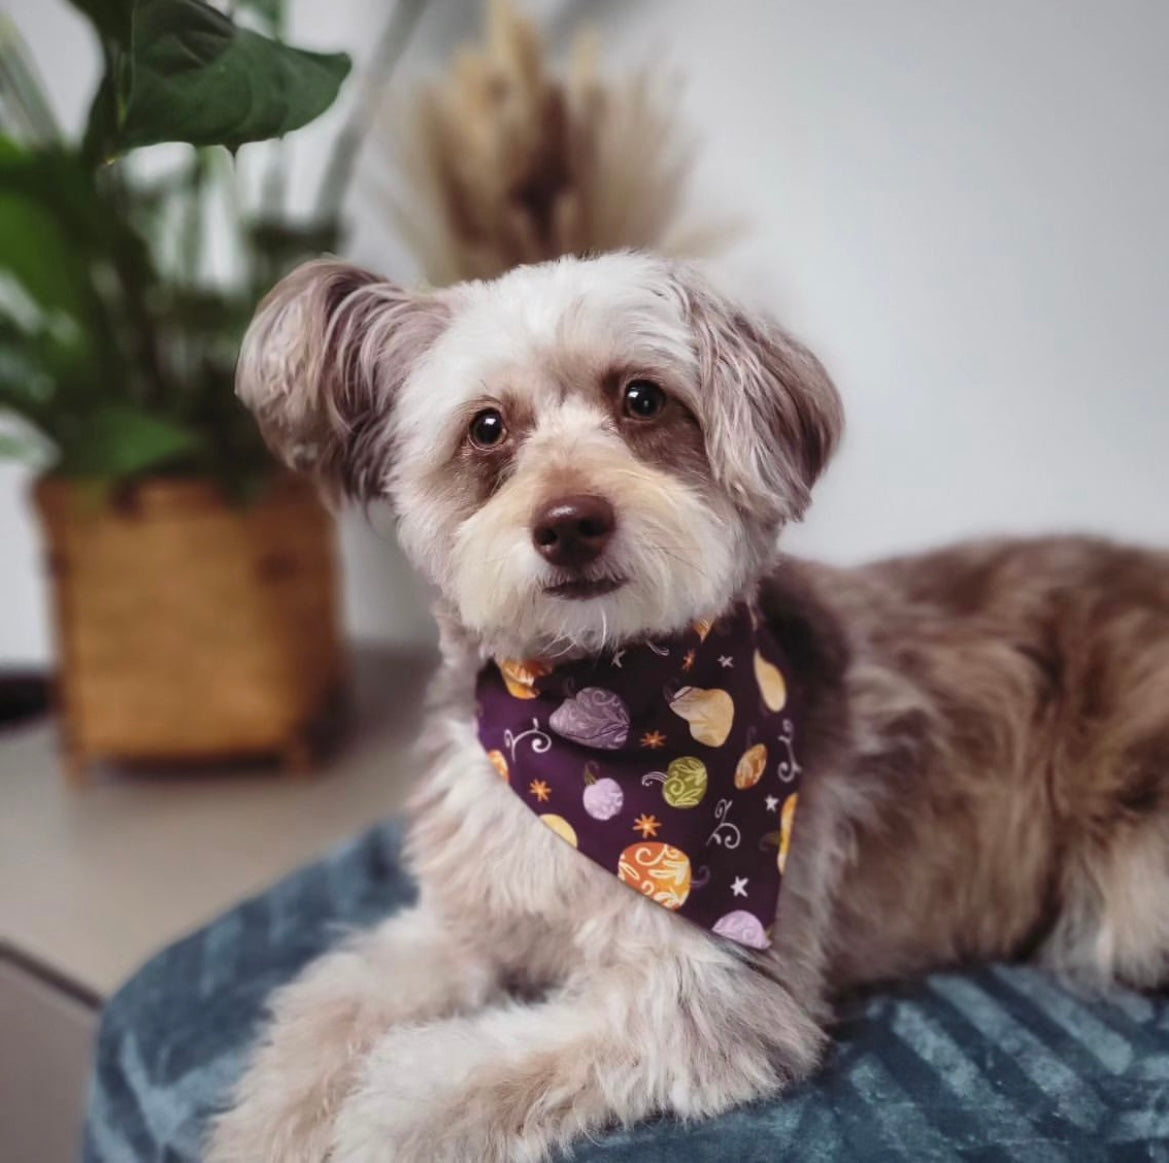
(726, 660)
(772, 803)
(618, 655)
(739, 888)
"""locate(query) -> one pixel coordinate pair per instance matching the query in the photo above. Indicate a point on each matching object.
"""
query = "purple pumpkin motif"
(594, 717)
(742, 926)
(603, 799)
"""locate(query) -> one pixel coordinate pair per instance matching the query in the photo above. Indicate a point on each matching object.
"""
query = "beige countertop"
(93, 880)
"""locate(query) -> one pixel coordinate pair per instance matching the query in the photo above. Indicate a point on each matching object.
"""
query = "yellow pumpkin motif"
(657, 870)
(685, 784)
(710, 713)
(561, 827)
(749, 770)
(520, 677)
(499, 762)
(771, 684)
(787, 819)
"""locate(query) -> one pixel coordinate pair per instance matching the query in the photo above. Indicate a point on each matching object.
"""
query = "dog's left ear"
(772, 415)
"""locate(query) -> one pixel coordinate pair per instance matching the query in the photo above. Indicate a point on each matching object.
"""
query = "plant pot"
(190, 628)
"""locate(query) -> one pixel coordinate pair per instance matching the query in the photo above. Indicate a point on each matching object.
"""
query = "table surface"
(93, 880)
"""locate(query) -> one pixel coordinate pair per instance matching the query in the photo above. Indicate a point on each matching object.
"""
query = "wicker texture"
(189, 628)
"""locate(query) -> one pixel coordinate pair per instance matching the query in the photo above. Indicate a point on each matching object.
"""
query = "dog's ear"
(772, 415)
(320, 365)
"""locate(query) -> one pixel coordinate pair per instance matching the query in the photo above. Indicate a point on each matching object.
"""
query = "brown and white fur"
(987, 748)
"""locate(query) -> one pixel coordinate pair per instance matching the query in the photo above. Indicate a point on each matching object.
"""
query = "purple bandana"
(670, 764)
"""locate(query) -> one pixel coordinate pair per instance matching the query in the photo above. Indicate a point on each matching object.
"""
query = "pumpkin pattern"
(574, 742)
(521, 677)
(787, 819)
(603, 799)
(710, 713)
(561, 827)
(683, 783)
(594, 717)
(749, 770)
(657, 870)
(742, 926)
(771, 684)
(499, 762)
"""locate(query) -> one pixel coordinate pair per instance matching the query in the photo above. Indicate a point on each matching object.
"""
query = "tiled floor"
(93, 881)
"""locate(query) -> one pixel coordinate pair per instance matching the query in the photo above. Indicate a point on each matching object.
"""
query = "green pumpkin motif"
(685, 784)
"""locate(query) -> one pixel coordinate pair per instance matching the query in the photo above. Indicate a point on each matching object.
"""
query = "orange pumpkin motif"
(657, 870)
(499, 762)
(520, 677)
(787, 820)
(749, 770)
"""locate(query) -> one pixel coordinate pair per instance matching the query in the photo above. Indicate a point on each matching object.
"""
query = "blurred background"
(960, 207)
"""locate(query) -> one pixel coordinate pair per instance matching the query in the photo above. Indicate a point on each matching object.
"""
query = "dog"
(983, 732)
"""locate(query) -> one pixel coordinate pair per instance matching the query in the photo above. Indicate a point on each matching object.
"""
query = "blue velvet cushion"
(995, 1064)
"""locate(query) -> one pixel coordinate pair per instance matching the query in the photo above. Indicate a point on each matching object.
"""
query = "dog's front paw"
(283, 1110)
(438, 1094)
(268, 1132)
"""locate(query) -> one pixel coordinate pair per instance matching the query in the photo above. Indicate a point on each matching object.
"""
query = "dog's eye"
(487, 428)
(643, 399)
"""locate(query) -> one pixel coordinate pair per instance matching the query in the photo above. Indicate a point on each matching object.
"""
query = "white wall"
(961, 206)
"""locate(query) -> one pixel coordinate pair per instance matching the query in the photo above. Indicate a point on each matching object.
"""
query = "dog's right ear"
(321, 363)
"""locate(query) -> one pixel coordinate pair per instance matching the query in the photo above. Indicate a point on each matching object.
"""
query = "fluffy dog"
(985, 735)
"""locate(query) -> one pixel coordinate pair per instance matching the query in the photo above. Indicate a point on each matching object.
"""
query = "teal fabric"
(999, 1063)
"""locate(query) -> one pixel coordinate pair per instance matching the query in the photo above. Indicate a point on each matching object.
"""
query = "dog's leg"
(692, 1036)
(409, 969)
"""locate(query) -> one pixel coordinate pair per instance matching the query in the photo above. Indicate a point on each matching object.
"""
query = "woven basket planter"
(189, 628)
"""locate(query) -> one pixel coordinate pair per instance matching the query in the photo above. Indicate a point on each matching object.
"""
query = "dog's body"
(986, 738)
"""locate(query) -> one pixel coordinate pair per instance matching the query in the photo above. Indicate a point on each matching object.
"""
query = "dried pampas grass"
(503, 162)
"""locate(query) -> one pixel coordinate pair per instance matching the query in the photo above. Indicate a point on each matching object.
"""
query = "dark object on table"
(999, 1063)
(23, 695)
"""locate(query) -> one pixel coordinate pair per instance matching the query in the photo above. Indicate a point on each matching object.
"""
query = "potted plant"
(194, 584)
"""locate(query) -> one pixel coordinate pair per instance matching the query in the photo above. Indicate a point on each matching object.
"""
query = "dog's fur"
(987, 745)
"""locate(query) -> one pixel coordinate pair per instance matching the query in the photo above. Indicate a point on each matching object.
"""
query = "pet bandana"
(671, 764)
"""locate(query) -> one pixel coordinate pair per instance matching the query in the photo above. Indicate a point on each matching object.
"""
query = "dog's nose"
(572, 531)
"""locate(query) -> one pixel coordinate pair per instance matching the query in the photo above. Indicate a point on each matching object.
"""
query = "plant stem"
(21, 86)
(274, 182)
(192, 238)
(390, 48)
(229, 175)
(134, 268)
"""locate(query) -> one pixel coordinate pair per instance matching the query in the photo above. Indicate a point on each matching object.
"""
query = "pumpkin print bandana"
(672, 764)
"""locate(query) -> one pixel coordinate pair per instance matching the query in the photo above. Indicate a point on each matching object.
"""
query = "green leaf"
(22, 445)
(35, 252)
(121, 441)
(44, 370)
(56, 179)
(194, 76)
(61, 240)
(111, 18)
(15, 447)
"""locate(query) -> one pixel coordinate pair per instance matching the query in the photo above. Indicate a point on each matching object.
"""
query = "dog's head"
(578, 453)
